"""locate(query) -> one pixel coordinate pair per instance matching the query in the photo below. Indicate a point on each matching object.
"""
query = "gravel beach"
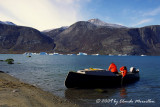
(14, 93)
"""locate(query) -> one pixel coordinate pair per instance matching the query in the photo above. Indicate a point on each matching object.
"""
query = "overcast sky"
(49, 14)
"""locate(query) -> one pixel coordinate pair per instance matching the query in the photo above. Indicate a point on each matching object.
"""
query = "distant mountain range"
(92, 37)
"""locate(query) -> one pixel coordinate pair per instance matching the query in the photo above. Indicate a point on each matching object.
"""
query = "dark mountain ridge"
(19, 39)
(86, 37)
(82, 36)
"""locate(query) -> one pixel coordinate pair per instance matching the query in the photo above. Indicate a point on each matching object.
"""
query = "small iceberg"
(43, 53)
(27, 53)
(50, 54)
(70, 54)
(81, 53)
(95, 54)
(110, 55)
(124, 55)
(34, 53)
(119, 54)
(143, 55)
(55, 53)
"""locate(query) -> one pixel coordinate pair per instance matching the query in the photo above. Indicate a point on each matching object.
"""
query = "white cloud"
(40, 14)
(154, 12)
(143, 22)
(67, 1)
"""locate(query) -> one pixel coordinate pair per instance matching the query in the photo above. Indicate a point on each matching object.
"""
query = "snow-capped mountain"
(98, 22)
(7, 23)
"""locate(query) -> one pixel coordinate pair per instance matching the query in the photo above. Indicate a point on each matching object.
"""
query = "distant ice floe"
(118, 55)
(143, 55)
(95, 54)
(41, 53)
(81, 53)
(70, 54)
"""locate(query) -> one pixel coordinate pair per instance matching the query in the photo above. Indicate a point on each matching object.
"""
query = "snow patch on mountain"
(98, 22)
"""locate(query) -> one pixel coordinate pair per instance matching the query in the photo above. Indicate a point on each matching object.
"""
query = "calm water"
(49, 73)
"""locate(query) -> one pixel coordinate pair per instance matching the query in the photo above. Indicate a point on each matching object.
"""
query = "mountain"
(82, 36)
(62, 28)
(98, 22)
(54, 32)
(18, 39)
(87, 37)
(7, 23)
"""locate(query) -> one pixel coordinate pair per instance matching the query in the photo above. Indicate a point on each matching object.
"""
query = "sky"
(49, 14)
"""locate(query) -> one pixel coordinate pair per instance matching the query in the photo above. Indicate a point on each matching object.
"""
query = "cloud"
(154, 12)
(143, 22)
(41, 14)
(67, 1)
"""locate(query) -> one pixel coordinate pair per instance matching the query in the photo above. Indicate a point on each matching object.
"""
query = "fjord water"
(49, 72)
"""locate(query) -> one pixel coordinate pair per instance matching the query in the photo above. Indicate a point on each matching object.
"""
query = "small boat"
(99, 78)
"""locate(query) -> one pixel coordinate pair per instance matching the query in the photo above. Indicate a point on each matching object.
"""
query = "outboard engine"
(137, 70)
(133, 70)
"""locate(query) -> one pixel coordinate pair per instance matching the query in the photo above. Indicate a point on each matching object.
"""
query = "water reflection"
(123, 92)
(94, 93)
(88, 96)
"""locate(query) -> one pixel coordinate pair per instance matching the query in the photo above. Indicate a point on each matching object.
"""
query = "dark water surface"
(49, 73)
